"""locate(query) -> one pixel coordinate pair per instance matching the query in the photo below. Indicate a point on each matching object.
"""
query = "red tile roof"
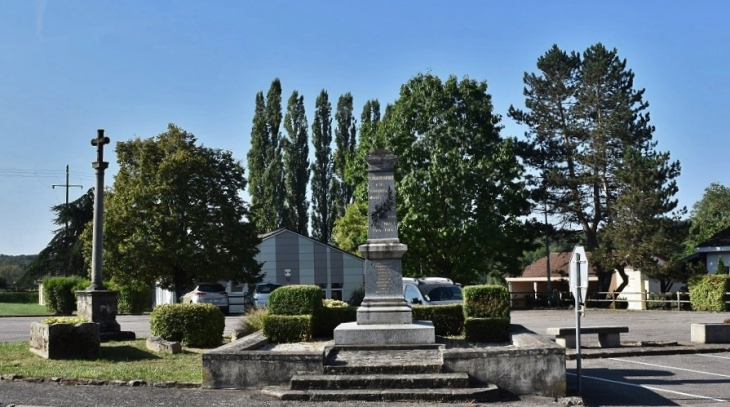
(559, 263)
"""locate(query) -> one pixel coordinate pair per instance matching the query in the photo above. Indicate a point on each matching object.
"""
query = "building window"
(336, 292)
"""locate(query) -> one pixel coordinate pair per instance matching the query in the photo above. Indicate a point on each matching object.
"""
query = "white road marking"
(679, 393)
(671, 367)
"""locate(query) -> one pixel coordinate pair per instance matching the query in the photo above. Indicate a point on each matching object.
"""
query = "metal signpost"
(579, 287)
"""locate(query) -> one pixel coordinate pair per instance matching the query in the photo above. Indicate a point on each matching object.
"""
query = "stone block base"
(710, 333)
(65, 341)
(352, 333)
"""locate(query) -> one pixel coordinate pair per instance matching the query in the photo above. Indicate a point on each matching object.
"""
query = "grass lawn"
(19, 310)
(128, 360)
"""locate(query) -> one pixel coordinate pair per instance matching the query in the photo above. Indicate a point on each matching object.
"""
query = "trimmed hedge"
(296, 300)
(486, 329)
(19, 297)
(486, 301)
(448, 320)
(193, 325)
(707, 292)
(132, 298)
(59, 293)
(288, 328)
(333, 314)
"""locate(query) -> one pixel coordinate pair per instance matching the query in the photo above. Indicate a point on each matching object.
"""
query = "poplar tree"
(322, 216)
(266, 182)
(345, 139)
(296, 165)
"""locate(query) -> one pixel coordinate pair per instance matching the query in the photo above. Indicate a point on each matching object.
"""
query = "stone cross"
(99, 165)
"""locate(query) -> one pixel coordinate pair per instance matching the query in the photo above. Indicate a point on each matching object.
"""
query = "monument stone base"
(351, 333)
(384, 311)
(99, 306)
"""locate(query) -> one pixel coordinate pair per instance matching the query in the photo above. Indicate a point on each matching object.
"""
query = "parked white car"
(261, 294)
(431, 291)
(208, 293)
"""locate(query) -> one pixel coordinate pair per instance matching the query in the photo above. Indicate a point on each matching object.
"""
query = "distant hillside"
(21, 259)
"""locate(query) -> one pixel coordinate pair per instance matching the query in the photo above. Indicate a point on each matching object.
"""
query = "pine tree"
(586, 121)
(721, 267)
(322, 221)
(296, 165)
(345, 139)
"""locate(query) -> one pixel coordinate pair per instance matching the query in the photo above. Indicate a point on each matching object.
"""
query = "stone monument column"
(96, 303)
(384, 316)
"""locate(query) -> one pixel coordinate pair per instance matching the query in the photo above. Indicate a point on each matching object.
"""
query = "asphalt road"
(667, 380)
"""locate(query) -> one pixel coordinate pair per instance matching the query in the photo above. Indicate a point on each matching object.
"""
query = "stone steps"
(393, 359)
(380, 381)
(383, 373)
(482, 394)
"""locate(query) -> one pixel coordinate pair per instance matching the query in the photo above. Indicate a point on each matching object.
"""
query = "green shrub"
(621, 303)
(333, 314)
(288, 328)
(132, 298)
(64, 320)
(251, 322)
(296, 300)
(357, 296)
(707, 292)
(486, 329)
(19, 297)
(59, 293)
(486, 301)
(721, 270)
(660, 301)
(448, 320)
(194, 325)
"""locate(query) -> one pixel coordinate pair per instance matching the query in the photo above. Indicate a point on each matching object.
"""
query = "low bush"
(707, 292)
(59, 293)
(288, 328)
(296, 300)
(448, 320)
(19, 297)
(64, 320)
(486, 329)
(486, 301)
(132, 298)
(334, 313)
(193, 325)
(660, 301)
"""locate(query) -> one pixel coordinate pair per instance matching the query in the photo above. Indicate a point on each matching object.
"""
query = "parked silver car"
(208, 293)
(261, 294)
(431, 291)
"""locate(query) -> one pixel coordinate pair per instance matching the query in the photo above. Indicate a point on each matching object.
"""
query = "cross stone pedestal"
(99, 306)
(384, 318)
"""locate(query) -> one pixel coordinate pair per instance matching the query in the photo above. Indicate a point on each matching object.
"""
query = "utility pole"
(67, 185)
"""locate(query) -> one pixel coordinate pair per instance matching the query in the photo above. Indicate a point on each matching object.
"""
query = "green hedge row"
(193, 325)
(448, 320)
(294, 313)
(59, 293)
(19, 297)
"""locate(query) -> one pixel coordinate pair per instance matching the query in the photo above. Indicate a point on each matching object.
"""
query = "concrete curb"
(628, 350)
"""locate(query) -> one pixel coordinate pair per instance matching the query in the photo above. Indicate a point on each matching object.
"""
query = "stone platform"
(351, 333)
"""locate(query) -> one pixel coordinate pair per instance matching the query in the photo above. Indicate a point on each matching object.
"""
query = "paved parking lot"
(613, 380)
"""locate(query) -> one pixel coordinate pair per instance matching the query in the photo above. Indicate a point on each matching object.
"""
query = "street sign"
(579, 273)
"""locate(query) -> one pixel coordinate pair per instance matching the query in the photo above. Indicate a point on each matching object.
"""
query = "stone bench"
(608, 336)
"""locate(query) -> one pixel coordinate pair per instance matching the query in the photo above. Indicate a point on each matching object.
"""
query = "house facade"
(714, 248)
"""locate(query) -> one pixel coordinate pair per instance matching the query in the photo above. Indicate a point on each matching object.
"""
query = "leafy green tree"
(176, 215)
(709, 215)
(461, 203)
(63, 256)
(322, 170)
(296, 165)
(345, 139)
(585, 120)
(265, 161)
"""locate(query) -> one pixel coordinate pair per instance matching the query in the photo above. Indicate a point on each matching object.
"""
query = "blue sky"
(70, 67)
